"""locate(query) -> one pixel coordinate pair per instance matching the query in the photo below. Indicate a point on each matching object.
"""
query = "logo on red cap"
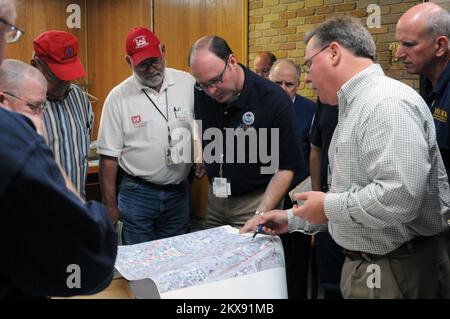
(140, 42)
(69, 53)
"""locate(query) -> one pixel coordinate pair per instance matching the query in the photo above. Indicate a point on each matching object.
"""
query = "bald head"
(263, 62)
(14, 74)
(286, 74)
(22, 87)
(423, 34)
(213, 44)
(428, 17)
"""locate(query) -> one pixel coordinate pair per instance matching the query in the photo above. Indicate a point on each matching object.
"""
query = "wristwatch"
(259, 213)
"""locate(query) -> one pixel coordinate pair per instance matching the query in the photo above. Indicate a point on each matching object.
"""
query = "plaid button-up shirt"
(388, 181)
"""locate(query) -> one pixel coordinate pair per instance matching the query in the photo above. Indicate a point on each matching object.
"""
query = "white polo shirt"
(133, 130)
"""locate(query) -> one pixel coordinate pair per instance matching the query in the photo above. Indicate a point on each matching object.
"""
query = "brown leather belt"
(410, 246)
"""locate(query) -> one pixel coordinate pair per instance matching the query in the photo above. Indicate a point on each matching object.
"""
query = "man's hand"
(312, 207)
(275, 223)
(250, 225)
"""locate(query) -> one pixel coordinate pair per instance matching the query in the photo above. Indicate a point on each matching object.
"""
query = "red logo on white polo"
(136, 119)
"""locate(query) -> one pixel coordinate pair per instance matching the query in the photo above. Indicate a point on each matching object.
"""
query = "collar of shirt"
(168, 81)
(242, 101)
(353, 87)
(442, 82)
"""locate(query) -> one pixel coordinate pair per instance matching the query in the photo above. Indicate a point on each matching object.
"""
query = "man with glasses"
(286, 74)
(297, 246)
(68, 117)
(231, 98)
(145, 131)
(23, 89)
(388, 183)
(51, 234)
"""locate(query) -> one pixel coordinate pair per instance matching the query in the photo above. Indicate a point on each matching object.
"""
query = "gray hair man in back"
(388, 184)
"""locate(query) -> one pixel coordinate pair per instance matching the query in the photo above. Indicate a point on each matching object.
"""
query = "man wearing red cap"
(68, 117)
(145, 129)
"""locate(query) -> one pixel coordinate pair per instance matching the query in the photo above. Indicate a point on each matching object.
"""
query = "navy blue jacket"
(438, 99)
(45, 227)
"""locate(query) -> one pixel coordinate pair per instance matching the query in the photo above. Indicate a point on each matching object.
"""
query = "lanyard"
(167, 112)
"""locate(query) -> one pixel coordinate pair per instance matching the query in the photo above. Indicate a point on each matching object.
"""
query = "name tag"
(221, 187)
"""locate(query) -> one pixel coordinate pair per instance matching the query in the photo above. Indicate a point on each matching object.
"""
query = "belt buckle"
(357, 255)
(352, 255)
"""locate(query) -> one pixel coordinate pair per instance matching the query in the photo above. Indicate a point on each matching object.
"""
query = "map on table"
(199, 257)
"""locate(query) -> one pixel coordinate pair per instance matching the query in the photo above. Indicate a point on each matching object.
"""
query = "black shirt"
(322, 130)
(304, 111)
(438, 99)
(262, 109)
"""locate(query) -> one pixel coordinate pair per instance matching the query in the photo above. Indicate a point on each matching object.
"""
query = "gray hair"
(348, 32)
(15, 73)
(298, 69)
(438, 24)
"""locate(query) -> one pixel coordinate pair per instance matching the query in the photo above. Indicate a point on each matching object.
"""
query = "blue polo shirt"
(438, 99)
(304, 111)
(261, 106)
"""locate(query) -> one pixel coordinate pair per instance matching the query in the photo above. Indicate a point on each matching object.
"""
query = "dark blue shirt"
(304, 110)
(438, 99)
(46, 228)
(261, 106)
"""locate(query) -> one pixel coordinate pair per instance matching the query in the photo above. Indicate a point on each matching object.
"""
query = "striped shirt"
(388, 179)
(69, 123)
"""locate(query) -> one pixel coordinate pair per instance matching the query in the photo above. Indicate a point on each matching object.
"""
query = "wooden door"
(179, 23)
(108, 22)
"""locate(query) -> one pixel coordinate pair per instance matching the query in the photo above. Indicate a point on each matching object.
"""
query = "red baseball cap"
(142, 44)
(59, 50)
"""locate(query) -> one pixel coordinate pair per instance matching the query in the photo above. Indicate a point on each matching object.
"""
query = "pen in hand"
(258, 230)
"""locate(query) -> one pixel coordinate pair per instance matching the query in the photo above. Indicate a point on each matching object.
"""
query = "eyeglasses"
(145, 66)
(307, 65)
(35, 108)
(214, 82)
(12, 33)
(289, 85)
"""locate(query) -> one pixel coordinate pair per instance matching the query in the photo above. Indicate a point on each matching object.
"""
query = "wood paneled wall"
(108, 23)
(37, 16)
(179, 23)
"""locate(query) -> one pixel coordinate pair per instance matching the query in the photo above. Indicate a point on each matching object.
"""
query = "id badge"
(171, 155)
(221, 187)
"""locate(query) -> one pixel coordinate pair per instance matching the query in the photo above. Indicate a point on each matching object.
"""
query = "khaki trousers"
(233, 211)
(419, 270)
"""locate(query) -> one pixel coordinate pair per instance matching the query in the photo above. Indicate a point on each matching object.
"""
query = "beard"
(151, 80)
